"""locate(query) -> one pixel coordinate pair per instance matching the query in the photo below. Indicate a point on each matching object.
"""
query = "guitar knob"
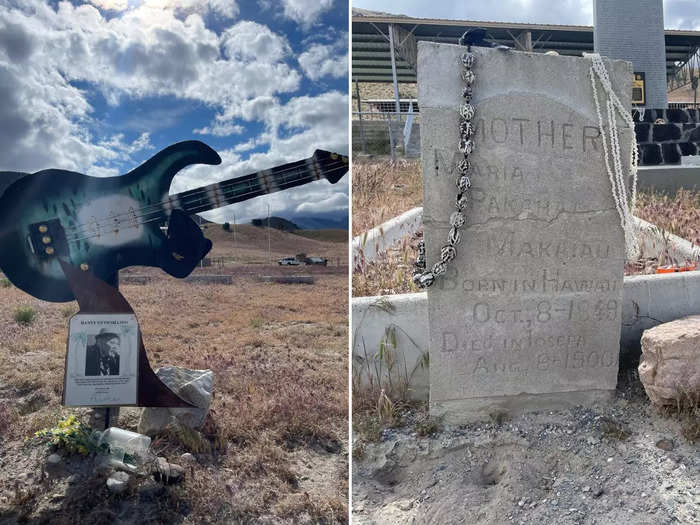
(334, 156)
(43, 229)
(46, 239)
(84, 267)
(49, 250)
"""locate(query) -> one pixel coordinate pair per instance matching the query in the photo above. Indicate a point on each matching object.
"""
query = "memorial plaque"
(102, 360)
(528, 314)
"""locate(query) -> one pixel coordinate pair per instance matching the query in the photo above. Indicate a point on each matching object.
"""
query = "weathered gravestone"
(528, 314)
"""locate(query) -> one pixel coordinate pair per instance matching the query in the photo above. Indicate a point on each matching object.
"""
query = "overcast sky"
(99, 86)
(678, 14)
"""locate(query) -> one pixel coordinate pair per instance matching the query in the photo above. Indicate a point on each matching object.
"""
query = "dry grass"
(382, 190)
(679, 215)
(390, 274)
(273, 444)
(375, 200)
(248, 244)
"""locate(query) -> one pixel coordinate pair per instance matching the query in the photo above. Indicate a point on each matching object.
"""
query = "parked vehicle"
(288, 261)
(317, 260)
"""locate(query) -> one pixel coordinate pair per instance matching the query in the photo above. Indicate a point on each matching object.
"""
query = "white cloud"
(145, 51)
(306, 12)
(295, 130)
(250, 41)
(242, 74)
(325, 60)
(113, 5)
(248, 145)
(226, 9)
(122, 150)
(334, 202)
(221, 129)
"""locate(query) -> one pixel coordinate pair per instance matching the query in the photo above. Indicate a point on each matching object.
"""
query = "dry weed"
(382, 190)
(391, 273)
(679, 215)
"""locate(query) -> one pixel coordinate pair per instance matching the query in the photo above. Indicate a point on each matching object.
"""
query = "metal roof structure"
(372, 61)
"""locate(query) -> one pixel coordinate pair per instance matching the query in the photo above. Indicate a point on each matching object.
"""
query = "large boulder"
(670, 364)
(194, 386)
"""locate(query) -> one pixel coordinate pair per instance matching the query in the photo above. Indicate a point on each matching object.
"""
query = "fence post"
(391, 137)
(359, 112)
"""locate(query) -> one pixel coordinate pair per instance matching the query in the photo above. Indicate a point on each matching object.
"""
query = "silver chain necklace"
(421, 276)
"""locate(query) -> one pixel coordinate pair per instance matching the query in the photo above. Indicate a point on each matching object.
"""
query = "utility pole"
(269, 255)
(235, 250)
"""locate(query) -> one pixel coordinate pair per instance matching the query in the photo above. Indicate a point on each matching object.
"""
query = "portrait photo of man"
(102, 358)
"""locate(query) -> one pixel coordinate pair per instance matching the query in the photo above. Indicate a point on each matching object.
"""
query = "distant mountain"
(319, 221)
(276, 222)
(322, 222)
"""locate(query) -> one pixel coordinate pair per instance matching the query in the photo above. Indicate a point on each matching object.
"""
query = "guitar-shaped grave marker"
(103, 224)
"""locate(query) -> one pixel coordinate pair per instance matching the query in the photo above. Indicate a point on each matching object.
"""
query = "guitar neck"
(247, 187)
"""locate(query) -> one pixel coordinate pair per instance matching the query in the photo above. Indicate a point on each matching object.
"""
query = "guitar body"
(98, 224)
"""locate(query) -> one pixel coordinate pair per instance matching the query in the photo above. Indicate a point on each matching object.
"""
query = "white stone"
(118, 482)
(54, 459)
(670, 364)
(188, 458)
(194, 386)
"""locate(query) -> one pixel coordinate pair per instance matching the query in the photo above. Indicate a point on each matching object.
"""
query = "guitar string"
(198, 193)
(194, 197)
(204, 207)
(158, 217)
(193, 210)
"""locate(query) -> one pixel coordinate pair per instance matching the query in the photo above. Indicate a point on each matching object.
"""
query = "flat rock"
(188, 458)
(168, 472)
(194, 386)
(118, 482)
(670, 365)
(54, 460)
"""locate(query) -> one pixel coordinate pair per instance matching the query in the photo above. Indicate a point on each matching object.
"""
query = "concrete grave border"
(648, 300)
(380, 238)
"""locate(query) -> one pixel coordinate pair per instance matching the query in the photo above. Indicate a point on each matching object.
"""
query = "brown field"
(274, 448)
(374, 203)
(250, 246)
(382, 189)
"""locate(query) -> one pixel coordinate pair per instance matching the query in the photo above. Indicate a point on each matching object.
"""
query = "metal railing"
(397, 126)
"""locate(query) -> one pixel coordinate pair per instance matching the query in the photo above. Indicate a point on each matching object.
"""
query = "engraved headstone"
(527, 316)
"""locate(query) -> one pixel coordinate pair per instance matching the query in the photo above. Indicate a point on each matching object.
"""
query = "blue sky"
(99, 86)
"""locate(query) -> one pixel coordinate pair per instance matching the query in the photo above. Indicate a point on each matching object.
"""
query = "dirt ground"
(274, 446)
(620, 462)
